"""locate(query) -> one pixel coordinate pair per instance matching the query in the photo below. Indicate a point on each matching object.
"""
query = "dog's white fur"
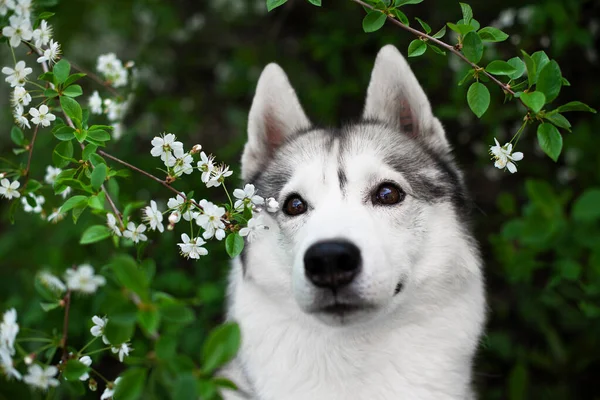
(418, 344)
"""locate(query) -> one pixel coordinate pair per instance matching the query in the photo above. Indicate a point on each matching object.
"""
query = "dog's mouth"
(342, 309)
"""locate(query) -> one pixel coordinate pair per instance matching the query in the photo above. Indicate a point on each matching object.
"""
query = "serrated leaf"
(74, 369)
(472, 47)
(234, 244)
(221, 346)
(373, 21)
(534, 100)
(575, 106)
(73, 91)
(272, 4)
(519, 67)
(586, 208)
(61, 71)
(549, 81)
(558, 120)
(62, 153)
(416, 48)
(498, 67)
(424, 25)
(467, 12)
(17, 136)
(71, 108)
(95, 234)
(478, 98)
(490, 34)
(550, 140)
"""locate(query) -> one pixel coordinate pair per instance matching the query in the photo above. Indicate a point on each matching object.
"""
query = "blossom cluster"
(504, 157)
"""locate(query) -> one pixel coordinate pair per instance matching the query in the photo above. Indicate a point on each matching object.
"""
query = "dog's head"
(369, 213)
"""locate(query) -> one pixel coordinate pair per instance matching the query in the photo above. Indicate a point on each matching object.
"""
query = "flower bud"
(174, 217)
(93, 385)
(272, 205)
(196, 149)
(29, 359)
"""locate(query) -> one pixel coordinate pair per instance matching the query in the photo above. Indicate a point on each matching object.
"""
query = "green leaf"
(416, 48)
(49, 306)
(62, 153)
(186, 386)
(87, 151)
(467, 12)
(61, 71)
(478, 98)
(221, 346)
(31, 186)
(97, 202)
(472, 47)
(401, 16)
(517, 382)
(17, 136)
(575, 106)
(80, 135)
(462, 29)
(500, 68)
(177, 313)
(149, 319)
(73, 78)
(272, 4)
(489, 34)
(424, 24)
(46, 76)
(73, 202)
(166, 347)
(73, 91)
(549, 81)
(234, 244)
(519, 67)
(99, 135)
(534, 100)
(98, 176)
(130, 275)
(96, 160)
(558, 120)
(541, 59)
(373, 21)
(74, 369)
(436, 49)
(315, 2)
(131, 384)
(64, 133)
(400, 3)
(118, 331)
(50, 93)
(94, 234)
(531, 68)
(586, 208)
(550, 140)
(71, 108)
(440, 34)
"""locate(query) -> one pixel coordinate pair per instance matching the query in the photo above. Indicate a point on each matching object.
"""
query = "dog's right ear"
(275, 114)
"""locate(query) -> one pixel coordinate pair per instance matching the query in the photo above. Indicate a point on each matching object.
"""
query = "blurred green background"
(198, 64)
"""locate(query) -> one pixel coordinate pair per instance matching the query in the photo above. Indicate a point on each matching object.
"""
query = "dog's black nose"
(332, 264)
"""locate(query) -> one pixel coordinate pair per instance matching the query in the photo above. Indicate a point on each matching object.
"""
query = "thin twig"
(63, 341)
(26, 173)
(446, 46)
(97, 79)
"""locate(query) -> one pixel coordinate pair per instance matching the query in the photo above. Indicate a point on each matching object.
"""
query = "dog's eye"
(294, 205)
(388, 194)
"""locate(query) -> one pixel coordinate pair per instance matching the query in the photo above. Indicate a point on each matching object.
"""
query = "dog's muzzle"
(332, 264)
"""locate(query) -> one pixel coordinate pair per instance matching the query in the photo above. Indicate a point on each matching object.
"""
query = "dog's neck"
(424, 350)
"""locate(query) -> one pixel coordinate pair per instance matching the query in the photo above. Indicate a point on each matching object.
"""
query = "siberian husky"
(367, 283)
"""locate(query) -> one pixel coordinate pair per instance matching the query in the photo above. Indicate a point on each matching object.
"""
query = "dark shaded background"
(199, 63)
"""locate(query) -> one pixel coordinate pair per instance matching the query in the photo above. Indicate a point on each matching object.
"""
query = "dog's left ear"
(396, 98)
(275, 114)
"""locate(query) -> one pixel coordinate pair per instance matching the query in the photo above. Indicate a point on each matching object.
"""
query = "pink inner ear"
(273, 132)
(408, 122)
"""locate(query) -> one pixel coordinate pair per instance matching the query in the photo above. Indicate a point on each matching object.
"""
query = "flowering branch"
(97, 79)
(63, 342)
(30, 146)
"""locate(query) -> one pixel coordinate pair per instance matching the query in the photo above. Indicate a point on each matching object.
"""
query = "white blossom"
(56, 216)
(183, 164)
(41, 378)
(111, 221)
(154, 217)
(20, 119)
(98, 329)
(179, 203)
(6, 5)
(51, 54)
(136, 234)
(9, 330)
(255, 225)
(123, 350)
(42, 115)
(109, 392)
(504, 156)
(52, 282)
(192, 248)
(43, 34)
(39, 201)
(19, 29)
(95, 103)
(115, 110)
(8, 189)
(7, 365)
(206, 165)
(164, 147)
(21, 96)
(23, 8)
(18, 75)
(87, 361)
(112, 69)
(51, 174)
(218, 176)
(83, 279)
(272, 205)
(211, 220)
(247, 195)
